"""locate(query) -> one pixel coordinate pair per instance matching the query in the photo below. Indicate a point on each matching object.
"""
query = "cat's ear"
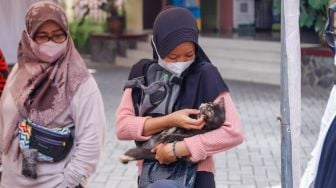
(221, 102)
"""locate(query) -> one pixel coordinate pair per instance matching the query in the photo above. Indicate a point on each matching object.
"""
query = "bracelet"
(174, 150)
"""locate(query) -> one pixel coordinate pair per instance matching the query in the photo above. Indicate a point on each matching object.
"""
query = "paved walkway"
(255, 163)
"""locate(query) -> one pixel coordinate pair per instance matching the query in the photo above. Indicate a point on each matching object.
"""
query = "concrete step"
(240, 45)
(133, 56)
(228, 50)
(245, 60)
(253, 61)
(272, 78)
(235, 70)
(230, 54)
(144, 46)
(246, 65)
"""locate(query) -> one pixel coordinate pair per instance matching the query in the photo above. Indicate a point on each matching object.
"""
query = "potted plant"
(116, 11)
(314, 14)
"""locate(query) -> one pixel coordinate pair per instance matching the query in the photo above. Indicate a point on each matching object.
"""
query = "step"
(133, 56)
(240, 45)
(272, 78)
(234, 48)
(230, 54)
(252, 61)
(234, 44)
(145, 46)
(246, 65)
(231, 73)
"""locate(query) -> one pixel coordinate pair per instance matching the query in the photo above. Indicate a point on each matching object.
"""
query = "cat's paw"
(125, 159)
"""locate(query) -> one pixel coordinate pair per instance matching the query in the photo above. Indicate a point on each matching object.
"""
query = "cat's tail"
(135, 154)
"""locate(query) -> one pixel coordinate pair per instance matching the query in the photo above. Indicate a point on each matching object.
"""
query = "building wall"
(243, 13)
(12, 15)
(209, 15)
(225, 15)
(134, 15)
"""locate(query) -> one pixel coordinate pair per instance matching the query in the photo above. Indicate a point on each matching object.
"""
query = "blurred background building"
(213, 16)
(221, 22)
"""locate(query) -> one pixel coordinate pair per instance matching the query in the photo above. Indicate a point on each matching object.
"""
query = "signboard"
(243, 14)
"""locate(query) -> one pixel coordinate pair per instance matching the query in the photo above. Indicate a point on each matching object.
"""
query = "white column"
(290, 94)
(134, 15)
(12, 19)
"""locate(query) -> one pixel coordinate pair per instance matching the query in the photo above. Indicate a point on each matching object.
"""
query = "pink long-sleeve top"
(201, 147)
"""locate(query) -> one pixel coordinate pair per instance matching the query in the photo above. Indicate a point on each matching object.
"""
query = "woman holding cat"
(179, 60)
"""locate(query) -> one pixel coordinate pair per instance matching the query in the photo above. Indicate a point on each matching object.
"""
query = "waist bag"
(159, 92)
(52, 145)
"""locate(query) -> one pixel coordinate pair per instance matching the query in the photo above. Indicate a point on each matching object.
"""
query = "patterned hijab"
(42, 91)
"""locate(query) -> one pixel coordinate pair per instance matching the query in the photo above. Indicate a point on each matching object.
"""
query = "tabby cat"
(214, 116)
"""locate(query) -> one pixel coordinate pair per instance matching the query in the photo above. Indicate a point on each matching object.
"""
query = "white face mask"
(176, 68)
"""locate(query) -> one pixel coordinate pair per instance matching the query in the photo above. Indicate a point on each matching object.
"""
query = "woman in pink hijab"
(49, 91)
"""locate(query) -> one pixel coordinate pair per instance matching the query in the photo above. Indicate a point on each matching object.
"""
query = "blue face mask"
(176, 68)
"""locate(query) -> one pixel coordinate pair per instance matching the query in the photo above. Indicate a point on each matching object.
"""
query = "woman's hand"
(182, 119)
(164, 153)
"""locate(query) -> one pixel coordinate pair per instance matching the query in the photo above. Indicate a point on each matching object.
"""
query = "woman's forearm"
(155, 125)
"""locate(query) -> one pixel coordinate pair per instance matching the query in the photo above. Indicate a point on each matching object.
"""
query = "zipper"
(169, 96)
(49, 141)
(43, 131)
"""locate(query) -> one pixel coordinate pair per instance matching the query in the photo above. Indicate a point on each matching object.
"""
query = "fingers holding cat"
(164, 153)
(182, 119)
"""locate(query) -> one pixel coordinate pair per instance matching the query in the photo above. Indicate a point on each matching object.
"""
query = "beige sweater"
(86, 113)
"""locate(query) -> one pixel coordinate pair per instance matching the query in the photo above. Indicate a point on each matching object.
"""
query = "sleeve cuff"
(195, 148)
(65, 184)
(138, 124)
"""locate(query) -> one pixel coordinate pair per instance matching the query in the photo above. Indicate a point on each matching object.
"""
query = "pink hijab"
(42, 91)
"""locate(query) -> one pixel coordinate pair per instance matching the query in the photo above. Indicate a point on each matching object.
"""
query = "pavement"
(253, 164)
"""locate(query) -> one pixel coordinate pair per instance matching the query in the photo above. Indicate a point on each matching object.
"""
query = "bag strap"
(138, 72)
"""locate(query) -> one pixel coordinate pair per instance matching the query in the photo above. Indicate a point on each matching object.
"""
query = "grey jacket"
(86, 113)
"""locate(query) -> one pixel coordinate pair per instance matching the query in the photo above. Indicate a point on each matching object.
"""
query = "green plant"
(112, 7)
(314, 14)
(80, 33)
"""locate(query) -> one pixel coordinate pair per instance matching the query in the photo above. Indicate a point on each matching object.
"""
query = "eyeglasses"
(58, 38)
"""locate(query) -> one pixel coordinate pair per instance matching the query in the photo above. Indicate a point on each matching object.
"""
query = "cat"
(214, 116)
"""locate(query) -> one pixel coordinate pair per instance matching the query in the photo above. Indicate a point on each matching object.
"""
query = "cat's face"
(213, 112)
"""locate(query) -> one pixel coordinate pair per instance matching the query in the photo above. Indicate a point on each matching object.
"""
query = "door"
(151, 9)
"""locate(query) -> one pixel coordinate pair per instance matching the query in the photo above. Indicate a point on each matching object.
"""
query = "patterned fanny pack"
(52, 145)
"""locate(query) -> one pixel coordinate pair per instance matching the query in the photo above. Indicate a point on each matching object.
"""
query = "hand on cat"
(164, 153)
(182, 119)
